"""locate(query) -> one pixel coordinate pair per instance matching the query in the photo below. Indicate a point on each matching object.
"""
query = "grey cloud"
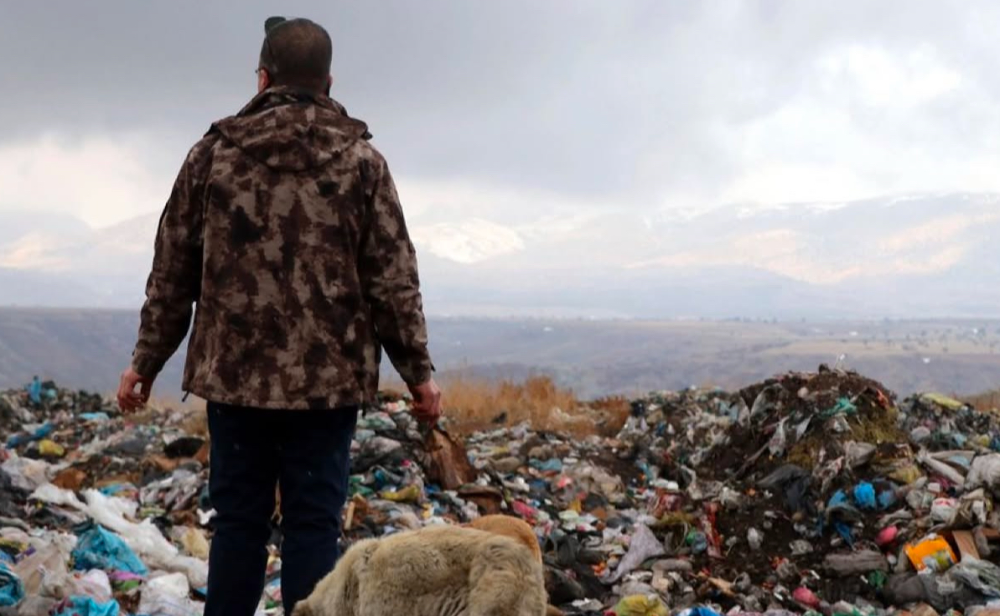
(619, 100)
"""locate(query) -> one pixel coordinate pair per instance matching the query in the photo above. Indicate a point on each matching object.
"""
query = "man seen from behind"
(284, 238)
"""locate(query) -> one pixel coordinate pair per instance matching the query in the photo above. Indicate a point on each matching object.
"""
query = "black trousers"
(308, 452)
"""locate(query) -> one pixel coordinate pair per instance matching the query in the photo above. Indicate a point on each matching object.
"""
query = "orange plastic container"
(934, 553)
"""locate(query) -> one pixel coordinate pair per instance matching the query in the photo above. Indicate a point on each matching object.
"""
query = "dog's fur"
(434, 571)
(509, 526)
(518, 529)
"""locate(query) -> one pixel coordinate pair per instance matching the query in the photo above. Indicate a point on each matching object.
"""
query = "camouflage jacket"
(285, 231)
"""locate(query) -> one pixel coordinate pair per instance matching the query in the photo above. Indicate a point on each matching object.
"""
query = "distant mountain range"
(914, 256)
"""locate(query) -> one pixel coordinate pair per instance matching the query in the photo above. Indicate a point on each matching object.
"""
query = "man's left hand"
(130, 400)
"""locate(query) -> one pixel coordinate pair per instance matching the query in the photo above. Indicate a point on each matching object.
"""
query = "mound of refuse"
(816, 493)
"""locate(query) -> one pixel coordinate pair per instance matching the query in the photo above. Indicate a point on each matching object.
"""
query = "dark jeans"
(308, 452)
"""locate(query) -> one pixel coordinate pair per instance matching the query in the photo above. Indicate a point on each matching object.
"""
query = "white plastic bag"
(94, 584)
(985, 472)
(643, 546)
(941, 468)
(167, 595)
(779, 440)
(25, 473)
(53, 495)
(51, 558)
(144, 538)
(944, 510)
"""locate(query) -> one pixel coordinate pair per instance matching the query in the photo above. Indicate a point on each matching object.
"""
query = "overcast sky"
(503, 110)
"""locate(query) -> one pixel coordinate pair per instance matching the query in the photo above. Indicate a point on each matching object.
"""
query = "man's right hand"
(426, 402)
(130, 400)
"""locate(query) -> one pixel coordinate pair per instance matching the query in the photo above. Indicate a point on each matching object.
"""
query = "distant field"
(88, 349)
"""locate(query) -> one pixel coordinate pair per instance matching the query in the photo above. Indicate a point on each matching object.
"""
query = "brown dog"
(518, 529)
(435, 571)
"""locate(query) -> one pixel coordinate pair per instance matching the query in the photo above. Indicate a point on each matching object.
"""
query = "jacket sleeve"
(175, 279)
(387, 267)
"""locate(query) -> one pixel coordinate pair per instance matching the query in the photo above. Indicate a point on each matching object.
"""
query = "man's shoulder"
(364, 150)
(200, 154)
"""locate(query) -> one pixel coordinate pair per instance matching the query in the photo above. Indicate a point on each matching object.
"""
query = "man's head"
(297, 53)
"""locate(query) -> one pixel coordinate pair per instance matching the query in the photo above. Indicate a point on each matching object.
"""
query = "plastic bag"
(11, 587)
(985, 472)
(33, 605)
(643, 546)
(699, 611)
(641, 605)
(886, 536)
(52, 552)
(855, 563)
(941, 468)
(94, 584)
(21, 438)
(145, 539)
(85, 606)
(166, 596)
(64, 585)
(943, 401)
(26, 474)
(980, 575)
(51, 449)
(864, 495)
(194, 569)
(859, 454)
(805, 597)
(53, 495)
(776, 446)
(944, 510)
(100, 549)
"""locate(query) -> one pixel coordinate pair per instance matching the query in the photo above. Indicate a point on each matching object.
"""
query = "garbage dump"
(815, 493)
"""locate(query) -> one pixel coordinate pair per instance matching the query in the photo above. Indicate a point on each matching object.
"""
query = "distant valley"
(88, 348)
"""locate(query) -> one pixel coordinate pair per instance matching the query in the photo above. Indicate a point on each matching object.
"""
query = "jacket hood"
(292, 130)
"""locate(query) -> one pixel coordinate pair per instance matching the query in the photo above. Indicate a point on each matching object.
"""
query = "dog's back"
(435, 571)
(509, 526)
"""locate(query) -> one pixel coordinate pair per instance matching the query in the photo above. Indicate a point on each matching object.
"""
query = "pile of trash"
(808, 494)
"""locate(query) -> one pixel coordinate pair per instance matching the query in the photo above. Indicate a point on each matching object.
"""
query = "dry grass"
(477, 404)
(985, 402)
(196, 422)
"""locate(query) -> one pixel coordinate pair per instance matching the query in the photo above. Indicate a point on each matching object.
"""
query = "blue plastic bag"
(864, 495)
(19, 439)
(844, 530)
(551, 465)
(86, 606)
(11, 588)
(886, 499)
(35, 391)
(838, 498)
(699, 611)
(101, 549)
